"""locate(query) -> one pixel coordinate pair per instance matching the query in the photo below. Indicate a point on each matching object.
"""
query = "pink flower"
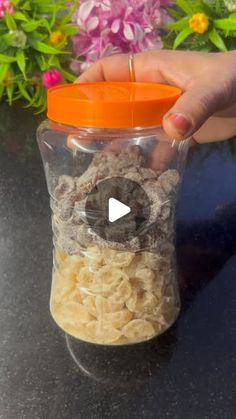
(51, 78)
(6, 6)
(107, 27)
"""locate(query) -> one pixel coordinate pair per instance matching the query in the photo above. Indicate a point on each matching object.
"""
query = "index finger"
(116, 68)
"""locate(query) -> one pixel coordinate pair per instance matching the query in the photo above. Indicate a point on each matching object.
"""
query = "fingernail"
(180, 122)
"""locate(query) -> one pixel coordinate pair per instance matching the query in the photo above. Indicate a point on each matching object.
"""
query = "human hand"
(208, 81)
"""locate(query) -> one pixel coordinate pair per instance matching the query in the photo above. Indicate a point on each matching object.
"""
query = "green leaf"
(220, 7)
(45, 24)
(168, 40)
(178, 26)
(2, 88)
(26, 6)
(15, 2)
(44, 48)
(31, 26)
(217, 40)
(41, 62)
(3, 45)
(206, 49)
(68, 76)
(20, 58)
(69, 30)
(199, 43)
(231, 44)
(173, 13)
(10, 91)
(208, 9)
(37, 95)
(10, 22)
(70, 12)
(3, 71)
(225, 24)
(41, 101)
(185, 5)
(20, 16)
(42, 108)
(7, 38)
(36, 36)
(23, 91)
(182, 36)
(53, 17)
(7, 58)
(53, 61)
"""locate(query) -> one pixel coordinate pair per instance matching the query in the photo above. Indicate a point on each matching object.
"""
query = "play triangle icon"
(117, 210)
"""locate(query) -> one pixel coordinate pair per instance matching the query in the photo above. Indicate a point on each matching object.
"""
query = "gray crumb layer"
(71, 231)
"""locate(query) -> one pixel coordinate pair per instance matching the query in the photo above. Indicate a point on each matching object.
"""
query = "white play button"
(117, 210)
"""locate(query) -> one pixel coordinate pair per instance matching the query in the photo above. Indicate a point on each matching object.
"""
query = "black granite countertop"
(188, 373)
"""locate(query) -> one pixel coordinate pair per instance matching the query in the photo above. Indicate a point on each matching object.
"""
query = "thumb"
(192, 110)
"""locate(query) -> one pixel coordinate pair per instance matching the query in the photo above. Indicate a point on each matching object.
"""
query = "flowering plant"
(33, 48)
(107, 27)
(205, 25)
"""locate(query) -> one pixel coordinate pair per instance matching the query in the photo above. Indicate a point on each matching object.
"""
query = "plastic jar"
(114, 280)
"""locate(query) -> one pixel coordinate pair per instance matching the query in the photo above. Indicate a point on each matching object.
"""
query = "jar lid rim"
(111, 104)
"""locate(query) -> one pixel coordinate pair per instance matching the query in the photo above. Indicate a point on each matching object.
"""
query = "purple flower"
(108, 27)
(51, 78)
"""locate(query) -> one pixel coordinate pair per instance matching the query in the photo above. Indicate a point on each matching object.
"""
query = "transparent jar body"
(107, 292)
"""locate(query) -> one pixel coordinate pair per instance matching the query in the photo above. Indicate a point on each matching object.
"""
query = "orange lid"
(111, 104)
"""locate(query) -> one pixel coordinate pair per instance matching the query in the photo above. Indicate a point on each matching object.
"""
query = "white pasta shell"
(117, 319)
(62, 287)
(77, 260)
(101, 332)
(77, 296)
(141, 284)
(74, 263)
(164, 314)
(77, 332)
(122, 292)
(93, 256)
(142, 303)
(84, 279)
(60, 256)
(138, 329)
(93, 266)
(131, 302)
(72, 313)
(130, 270)
(105, 305)
(143, 279)
(107, 278)
(117, 259)
(146, 302)
(144, 273)
(89, 304)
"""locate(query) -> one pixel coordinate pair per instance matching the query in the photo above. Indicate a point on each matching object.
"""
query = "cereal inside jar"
(113, 188)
